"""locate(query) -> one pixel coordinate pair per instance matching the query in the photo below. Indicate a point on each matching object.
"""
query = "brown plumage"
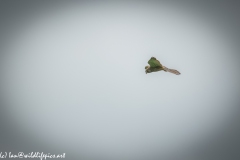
(156, 66)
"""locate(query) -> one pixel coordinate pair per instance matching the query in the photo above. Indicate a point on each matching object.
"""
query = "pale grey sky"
(74, 79)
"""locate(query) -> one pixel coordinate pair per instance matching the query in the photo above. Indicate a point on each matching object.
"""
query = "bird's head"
(147, 70)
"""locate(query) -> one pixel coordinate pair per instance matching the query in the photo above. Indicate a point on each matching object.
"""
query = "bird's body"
(156, 66)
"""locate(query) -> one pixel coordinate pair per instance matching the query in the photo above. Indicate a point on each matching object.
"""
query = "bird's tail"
(171, 70)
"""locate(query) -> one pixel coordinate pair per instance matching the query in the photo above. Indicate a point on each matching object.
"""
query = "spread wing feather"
(153, 62)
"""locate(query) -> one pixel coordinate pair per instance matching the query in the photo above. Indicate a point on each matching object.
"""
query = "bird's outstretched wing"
(153, 62)
(171, 70)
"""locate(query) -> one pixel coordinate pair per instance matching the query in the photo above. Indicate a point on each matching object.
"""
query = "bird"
(155, 66)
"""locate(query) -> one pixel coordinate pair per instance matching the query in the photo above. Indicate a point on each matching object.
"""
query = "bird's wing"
(171, 70)
(153, 62)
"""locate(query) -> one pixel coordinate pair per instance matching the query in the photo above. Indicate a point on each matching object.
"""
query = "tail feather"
(171, 70)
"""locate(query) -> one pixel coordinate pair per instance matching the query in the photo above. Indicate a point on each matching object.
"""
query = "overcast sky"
(73, 78)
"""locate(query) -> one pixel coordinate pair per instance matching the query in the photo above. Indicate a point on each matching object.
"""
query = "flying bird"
(156, 66)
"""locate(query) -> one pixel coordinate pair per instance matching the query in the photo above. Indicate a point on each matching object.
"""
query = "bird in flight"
(156, 66)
